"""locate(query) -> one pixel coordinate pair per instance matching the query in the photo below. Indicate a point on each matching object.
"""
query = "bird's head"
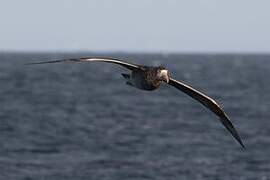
(163, 74)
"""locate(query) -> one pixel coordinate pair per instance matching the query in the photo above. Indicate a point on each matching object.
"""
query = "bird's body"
(150, 78)
(145, 78)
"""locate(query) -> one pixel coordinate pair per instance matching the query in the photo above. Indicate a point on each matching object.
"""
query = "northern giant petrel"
(149, 78)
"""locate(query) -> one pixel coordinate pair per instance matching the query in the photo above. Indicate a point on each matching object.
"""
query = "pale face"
(163, 75)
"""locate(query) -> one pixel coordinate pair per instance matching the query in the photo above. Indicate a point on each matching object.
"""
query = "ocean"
(79, 121)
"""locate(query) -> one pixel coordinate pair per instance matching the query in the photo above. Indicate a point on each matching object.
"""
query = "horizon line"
(136, 52)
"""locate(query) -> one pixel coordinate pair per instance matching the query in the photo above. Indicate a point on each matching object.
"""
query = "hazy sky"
(135, 25)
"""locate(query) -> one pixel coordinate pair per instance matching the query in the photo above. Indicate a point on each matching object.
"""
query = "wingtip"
(27, 64)
(242, 144)
(34, 63)
(229, 126)
(239, 140)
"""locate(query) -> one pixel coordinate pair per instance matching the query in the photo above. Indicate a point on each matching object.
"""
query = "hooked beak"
(167, 79)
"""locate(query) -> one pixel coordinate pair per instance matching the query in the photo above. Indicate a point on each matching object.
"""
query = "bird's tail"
(126, 76)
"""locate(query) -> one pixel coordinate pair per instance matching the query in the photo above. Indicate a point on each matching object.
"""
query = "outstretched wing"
(208, 103)
(124, 64)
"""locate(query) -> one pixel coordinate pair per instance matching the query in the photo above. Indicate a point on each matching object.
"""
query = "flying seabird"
(150, 78)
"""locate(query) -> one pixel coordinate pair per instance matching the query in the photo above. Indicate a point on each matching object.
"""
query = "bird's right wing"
(124, 64)
(208, 103)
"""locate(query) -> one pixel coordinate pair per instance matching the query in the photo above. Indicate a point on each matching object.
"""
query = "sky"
(135, 25)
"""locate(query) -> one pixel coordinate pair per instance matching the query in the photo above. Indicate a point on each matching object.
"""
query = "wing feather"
(208, 103)
(124, 64)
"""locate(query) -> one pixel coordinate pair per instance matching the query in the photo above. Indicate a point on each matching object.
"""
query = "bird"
(150, 78)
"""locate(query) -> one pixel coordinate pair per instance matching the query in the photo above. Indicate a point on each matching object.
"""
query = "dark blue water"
(80, 121)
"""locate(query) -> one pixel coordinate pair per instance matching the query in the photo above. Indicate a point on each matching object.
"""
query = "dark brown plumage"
(150, 78)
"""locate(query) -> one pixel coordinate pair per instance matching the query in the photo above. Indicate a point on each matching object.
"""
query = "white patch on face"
(164, 72)
(164, 75)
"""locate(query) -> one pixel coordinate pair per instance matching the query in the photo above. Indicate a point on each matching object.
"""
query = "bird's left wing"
(208, 103)
(124, 64)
